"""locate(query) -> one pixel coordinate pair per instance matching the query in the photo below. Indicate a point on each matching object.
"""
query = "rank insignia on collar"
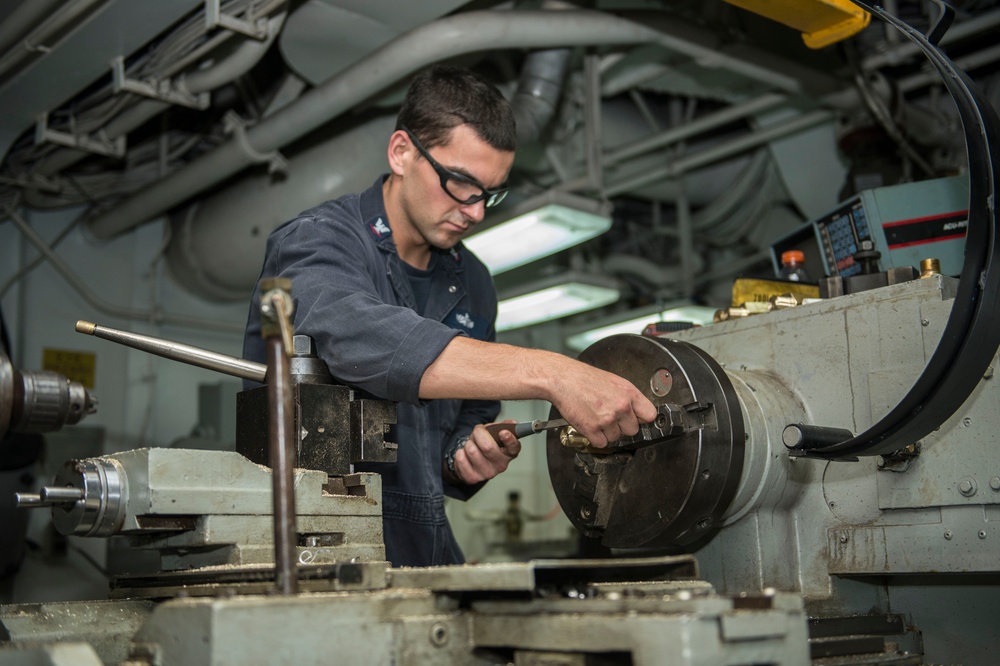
(380, 228)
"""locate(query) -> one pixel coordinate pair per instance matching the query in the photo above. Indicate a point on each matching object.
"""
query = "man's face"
(435, 215)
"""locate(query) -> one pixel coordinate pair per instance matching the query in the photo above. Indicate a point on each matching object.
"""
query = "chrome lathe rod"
(176, 351)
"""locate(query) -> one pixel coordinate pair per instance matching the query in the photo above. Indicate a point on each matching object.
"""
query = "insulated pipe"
(967, 62)
(729, 216)
(448, 37)
(217, 242)
(654, 273)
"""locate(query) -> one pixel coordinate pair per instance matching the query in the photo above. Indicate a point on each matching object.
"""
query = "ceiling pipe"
(907, 50)
(682, 132)
(23, 19)
(968, 62)
(445, 38)
(538, 92)
(236, 64)
(41, 40)
(723, 151)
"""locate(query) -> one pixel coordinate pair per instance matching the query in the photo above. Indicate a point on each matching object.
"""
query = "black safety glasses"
(461, 188)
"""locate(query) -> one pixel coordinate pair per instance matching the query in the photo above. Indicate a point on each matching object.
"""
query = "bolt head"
(967, 486)
(303, 345)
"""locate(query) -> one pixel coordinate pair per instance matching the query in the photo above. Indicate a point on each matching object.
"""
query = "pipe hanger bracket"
(163, 90)
(255, 28)
(98, 145)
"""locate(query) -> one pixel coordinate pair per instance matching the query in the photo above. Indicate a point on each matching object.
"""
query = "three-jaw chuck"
(686, 474)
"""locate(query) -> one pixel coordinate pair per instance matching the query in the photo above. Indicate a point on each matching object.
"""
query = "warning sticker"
(77, 366)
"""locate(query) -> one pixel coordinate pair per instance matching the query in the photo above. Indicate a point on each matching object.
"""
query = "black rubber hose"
(972, 335)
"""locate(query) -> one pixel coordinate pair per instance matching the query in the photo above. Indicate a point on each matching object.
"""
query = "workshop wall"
(143, 400)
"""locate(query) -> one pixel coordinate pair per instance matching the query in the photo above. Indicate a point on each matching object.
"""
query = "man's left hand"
(482, 458)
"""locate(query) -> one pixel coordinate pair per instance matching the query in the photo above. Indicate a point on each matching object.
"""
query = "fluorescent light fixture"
(538, 227)
(636, 320)
(554, 298)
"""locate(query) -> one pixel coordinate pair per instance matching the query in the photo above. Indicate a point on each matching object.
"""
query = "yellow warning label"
(78, 366)
(753, 290)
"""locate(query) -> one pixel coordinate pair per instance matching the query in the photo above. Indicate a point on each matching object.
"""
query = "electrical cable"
(971, 336)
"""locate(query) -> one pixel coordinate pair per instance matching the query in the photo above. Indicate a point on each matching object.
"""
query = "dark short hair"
(442, 97)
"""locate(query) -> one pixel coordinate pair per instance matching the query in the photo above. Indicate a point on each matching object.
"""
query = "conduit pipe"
(720, 152)
(682, 132)
(969, 62)
(445, 38)
(894, 56)
(40, 40)
(25, 18)
(236, 64)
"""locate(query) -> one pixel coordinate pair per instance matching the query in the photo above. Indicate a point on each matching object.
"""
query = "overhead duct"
(323, 37)
(538, 92)
(218, 243)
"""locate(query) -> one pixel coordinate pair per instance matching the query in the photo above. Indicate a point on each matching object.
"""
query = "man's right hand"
(602, 406)
(599, 404)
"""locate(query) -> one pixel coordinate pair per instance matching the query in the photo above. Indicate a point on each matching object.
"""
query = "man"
(399, 308)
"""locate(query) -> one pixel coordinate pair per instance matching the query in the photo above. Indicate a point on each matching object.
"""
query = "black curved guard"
(972, 334)
(671, 493)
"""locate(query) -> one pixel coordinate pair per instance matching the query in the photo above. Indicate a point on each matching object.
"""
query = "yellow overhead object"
(822, 22)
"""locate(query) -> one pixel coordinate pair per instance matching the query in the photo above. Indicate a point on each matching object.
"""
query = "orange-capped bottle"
(793, 266)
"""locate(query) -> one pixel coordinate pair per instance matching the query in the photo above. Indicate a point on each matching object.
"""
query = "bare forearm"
(601, 405)
(475, 370)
